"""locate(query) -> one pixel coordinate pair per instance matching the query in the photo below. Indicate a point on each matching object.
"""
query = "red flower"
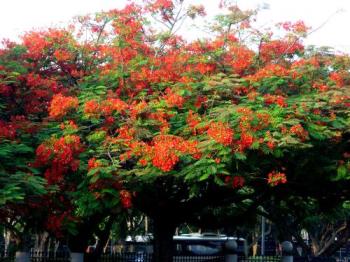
(113, 104)
(125, 198)
(238, 182)
(62, 55)
(321, 87)
(92, 108)
(299, 131)
(241, 58)
(93, 163)
(275, 99)
(337, 78)
(60, 105)
(277, 48)
(193, 120)
(221, 133)
(201, 101)
(276, 178)
(7, 130)
(43, 154)
(166, 150)
(173, 99)
(269, 71)
(143, 162)
(271, 145)
(246, 141)
(160, 4)
(60, 154)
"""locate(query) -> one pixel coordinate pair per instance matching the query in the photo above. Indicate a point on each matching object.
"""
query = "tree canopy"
(122, 112)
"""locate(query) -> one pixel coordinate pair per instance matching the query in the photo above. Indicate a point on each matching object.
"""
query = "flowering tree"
(136, 116)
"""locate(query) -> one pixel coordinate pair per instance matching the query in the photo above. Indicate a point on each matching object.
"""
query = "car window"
(200, 249)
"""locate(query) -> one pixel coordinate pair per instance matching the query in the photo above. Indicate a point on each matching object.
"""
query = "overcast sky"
(18, 16)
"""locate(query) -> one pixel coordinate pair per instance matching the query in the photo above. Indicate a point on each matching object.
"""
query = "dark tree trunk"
(79, 242)
(164, 230)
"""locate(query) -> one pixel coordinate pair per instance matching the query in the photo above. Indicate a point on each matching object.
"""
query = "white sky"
(18, 16)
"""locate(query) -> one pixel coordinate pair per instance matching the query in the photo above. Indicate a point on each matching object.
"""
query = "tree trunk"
(79, 243)
(164, 230)
(103, 237)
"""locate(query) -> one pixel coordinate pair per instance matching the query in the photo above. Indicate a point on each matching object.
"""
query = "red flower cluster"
(246, 141)
(246, 118)
(137, 108)
(275, 99)
(298, 27)
(201, 101)
(166, 149)
(43, 155)
(61, 155)
(242, 58)
(221, 133)
(113, 104)
(62, 55)
(35, 44)
(269, 71)
(126, 134)
(92, 109)
(158, 5)
(162, 118)
(173, 99)
(54, 224)
(320, 87)
(7, 130)
(337, 78)
(299, 131)
(238, 182)
(39, 44)
(60, 105)
(277, 48)
(93, 163)
(276, 178)
(204, 68)
(193, 120)
(125, 198)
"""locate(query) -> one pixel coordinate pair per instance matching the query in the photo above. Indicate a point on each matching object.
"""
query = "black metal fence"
(38, 256)
(199, 258)
(144, 257)
(51, 256)
(126, 257)
(260, 259)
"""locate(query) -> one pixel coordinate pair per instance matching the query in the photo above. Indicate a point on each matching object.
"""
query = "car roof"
(206, 236)
(187, 237)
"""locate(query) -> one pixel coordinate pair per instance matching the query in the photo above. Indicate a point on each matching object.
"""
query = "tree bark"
(164, 230)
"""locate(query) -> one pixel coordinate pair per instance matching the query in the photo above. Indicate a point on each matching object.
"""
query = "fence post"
(231, 251)
(287, 251)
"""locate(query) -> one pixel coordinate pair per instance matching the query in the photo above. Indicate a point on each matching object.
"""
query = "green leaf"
(342, 172)
(240, 156)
